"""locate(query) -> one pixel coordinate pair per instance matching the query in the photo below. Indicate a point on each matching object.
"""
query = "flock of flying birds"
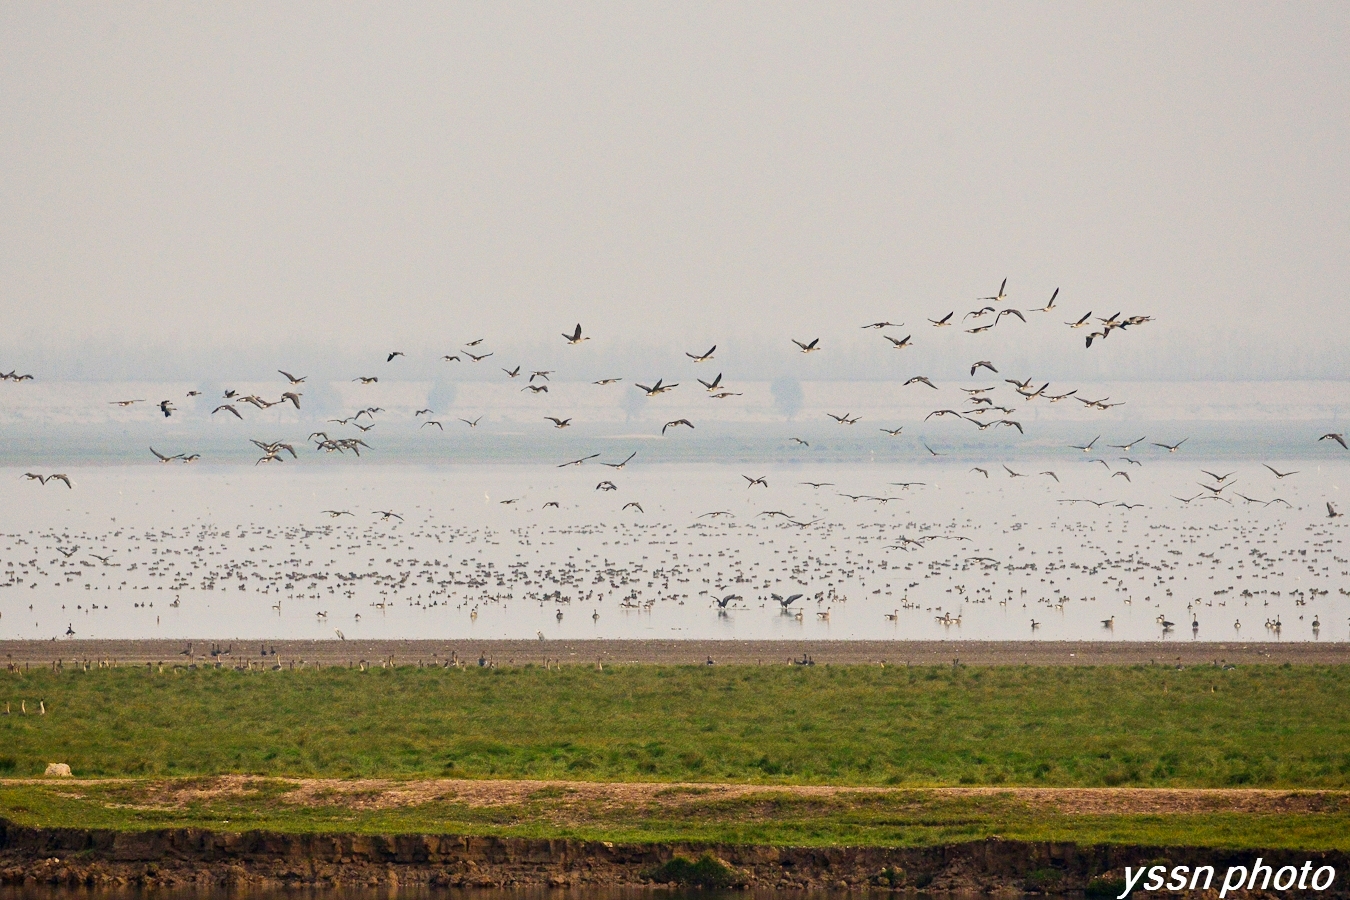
(984, 407)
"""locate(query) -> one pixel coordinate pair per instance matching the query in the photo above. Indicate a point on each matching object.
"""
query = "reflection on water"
(45, 892)
(935, 551)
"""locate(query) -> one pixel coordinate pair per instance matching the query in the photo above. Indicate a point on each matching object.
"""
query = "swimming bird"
(575, 337)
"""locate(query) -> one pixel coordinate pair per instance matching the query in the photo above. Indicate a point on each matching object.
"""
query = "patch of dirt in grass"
(595, 798)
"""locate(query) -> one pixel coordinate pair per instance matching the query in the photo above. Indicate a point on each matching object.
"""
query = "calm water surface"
(915, 551)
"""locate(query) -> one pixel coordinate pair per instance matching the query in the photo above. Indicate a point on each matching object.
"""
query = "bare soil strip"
(609, 653)
(368, 794)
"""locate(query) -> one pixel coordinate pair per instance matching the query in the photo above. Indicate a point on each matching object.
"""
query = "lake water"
(482, 551)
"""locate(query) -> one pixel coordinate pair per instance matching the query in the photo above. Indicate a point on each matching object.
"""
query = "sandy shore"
(518, 653)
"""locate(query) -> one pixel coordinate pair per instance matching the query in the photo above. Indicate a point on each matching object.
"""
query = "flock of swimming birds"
(985, 407)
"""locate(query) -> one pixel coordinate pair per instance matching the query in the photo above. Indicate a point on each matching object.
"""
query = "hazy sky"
(335, 179)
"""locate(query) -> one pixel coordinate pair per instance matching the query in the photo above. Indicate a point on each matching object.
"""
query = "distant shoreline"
(236, 652)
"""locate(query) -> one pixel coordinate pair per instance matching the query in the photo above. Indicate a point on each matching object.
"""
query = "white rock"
(60, 770)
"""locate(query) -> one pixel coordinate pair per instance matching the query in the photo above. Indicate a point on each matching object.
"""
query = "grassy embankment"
(1280, 727)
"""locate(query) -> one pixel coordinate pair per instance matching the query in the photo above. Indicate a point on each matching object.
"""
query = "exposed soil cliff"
(184, 857)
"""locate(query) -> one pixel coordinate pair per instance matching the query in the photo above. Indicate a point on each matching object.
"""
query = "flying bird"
(227, 407)
(620, 465)
(294, 380)
(702, 357)
(983, 364)
(807, 348)
(945, 320)
(901, 343)
(1172, 448)
(167, 408)
(675, 423)
(921, 379)
(390, 357)
(884, 325)
(1279, 474)
(577, 462)
(1001, 295)
(558, 423)
(575, 337)
(1338, 438)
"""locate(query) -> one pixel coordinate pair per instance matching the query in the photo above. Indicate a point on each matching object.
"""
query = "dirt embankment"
(189, 857)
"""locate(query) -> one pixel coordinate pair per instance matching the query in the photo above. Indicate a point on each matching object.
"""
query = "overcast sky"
(184, 183)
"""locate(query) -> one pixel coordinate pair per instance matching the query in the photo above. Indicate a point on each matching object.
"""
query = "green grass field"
(1272, 726)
